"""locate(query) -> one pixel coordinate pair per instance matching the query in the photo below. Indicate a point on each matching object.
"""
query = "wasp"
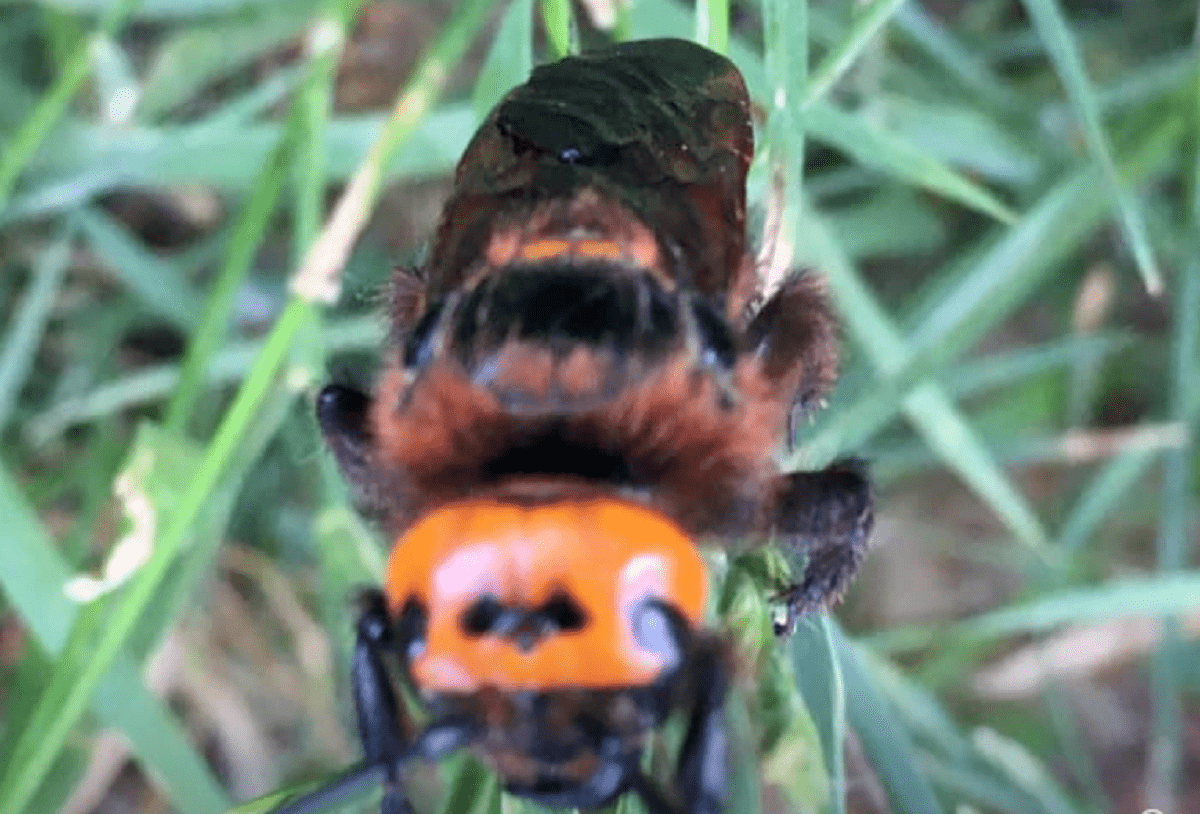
(582, 384)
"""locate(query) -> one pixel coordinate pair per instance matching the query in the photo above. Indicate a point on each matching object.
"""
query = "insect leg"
(379, 715)
(826, 515)
(794, 335)
(701, 775)
(652, 798)
(379, 722)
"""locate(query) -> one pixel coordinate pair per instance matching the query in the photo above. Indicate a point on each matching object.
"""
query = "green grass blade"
(19, 149)
(886, 743)
(1024, 771)
(1102, 497)
(559, 19)
(71, 685)
(988, 283)
(866, 25)
(196, 56)
(510, 59)
(931, 35)
(20, 342)
(212, 327)
(1060, 44)
(820, 683)
(853, 422)
(712, 24)
(976, 142)
(32, 581)
(159, 284)
(927, 407)
(319, 276)
(1164, 595)
(156, 382)
(86, 162)
(1173, 541)
(315, 105)
(473, 789)
(886, 151)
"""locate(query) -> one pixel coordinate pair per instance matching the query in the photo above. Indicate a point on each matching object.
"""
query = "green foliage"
(960, 178)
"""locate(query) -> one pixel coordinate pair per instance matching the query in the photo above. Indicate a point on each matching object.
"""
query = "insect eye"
(482, 616)
(564, 613)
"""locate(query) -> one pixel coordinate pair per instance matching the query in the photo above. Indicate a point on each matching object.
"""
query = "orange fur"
(524, 373)
(586, 226)
(798, 338)
(708, 461)
(502, 248)
(545, 249)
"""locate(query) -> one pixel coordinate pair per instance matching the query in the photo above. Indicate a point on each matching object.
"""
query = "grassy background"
(1004, 196)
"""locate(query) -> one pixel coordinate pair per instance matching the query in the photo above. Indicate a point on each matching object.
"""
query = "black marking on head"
(487, 616)
(563, 612)
(483, 615)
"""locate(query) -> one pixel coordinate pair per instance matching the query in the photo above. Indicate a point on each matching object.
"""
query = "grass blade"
(712, 24)
(157, 283)
(885, 741)
(886, 151)
(1060, 44)
(559, 19)
(318, 279)
(1165, 595)
(19, 149)
(32, 580)
(867, 24)
(927, 407)
(820, 683)
(501, 72)
(32, 313)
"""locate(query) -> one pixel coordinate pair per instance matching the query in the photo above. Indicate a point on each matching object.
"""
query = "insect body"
(579, 387)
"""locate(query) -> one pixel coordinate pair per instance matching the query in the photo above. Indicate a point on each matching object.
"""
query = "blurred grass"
(956, 171)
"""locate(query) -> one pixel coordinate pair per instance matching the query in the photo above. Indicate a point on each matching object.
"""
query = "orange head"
(541, 597)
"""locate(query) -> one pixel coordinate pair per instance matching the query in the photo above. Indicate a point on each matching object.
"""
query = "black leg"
(379, 715)
(379, 722)
(651, 796)
(702, 771)
(826, 515)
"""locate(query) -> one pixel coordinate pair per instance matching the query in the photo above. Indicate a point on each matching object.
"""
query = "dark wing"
(664, 96)
(651, 124)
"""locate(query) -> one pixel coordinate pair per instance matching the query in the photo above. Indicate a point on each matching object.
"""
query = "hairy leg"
(827, 516)
(794, 335)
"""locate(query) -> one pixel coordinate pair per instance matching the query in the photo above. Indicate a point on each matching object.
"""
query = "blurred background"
(1004, 197)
